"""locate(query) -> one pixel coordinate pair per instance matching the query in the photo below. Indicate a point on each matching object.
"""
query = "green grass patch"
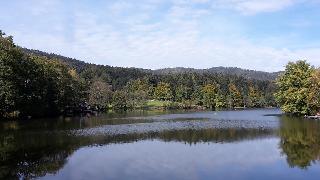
(157, 103)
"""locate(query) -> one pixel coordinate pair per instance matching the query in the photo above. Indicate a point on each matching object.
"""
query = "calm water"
(248, 144)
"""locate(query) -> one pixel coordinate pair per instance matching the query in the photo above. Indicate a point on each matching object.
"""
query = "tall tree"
(197, 96)
(163, 92)
(220, 100)
(182, 93)
(314, 93)
(235, 97)
(293, 88)
(253, 97)
(210, 92)
(8, 53)
(100, 94)
(120, 100)
(138, 92)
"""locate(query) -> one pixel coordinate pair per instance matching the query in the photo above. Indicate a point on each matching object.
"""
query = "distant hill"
(249, 74)
(138, 72)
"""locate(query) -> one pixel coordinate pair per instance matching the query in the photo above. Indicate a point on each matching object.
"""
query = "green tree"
(120, 100)
(138, 92)
(253, 97)
(182, 93)
(235, 97)
(220, 100)
(294, 87)
(8, 53)
(197, 96)
(314, 93)
(163, 92)
(210, 92)
(100, 94)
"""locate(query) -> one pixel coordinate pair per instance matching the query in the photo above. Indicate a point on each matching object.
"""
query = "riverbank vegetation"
(37, 84)
(299, 89)
(34, 85)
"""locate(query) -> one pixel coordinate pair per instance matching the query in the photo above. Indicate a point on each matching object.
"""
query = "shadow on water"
(29, 150)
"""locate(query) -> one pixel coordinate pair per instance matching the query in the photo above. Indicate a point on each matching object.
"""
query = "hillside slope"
(117, 71)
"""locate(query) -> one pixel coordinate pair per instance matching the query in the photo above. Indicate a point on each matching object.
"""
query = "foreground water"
(248, 144)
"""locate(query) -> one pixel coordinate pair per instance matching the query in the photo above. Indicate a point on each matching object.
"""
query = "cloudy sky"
(253, 34)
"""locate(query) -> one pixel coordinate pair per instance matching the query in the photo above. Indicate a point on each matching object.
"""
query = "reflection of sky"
(153, 159)
(253, 114)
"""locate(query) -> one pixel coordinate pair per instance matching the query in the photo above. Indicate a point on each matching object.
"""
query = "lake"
(243, 144)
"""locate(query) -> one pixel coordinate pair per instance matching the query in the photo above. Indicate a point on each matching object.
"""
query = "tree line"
(33, 84)
(108, 87)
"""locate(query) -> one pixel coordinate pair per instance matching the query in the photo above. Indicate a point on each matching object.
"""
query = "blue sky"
(253, 34)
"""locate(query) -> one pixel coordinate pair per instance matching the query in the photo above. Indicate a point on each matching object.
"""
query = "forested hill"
(118, 77)
(249, 74)
(32, 79)
(81, 66)
(73, 63)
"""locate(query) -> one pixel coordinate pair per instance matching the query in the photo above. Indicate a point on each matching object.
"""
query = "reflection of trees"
(66, 123)
(213, 135)
(30, 154)
(33, 153)
(300, 141)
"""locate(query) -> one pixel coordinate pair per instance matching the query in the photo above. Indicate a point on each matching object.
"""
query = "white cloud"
(311, 55)
(120, 7)
(250, 7)
(141, 35)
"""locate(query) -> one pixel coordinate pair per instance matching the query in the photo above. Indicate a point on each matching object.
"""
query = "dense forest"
(35, 83)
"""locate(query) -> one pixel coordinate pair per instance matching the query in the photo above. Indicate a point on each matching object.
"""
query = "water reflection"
(300, 141)
(30, 150)
(29, 155)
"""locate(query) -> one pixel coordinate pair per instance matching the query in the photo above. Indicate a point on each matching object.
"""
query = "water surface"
(246, 144)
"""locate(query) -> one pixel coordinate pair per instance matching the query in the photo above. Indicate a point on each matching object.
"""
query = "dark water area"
(244, 144)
